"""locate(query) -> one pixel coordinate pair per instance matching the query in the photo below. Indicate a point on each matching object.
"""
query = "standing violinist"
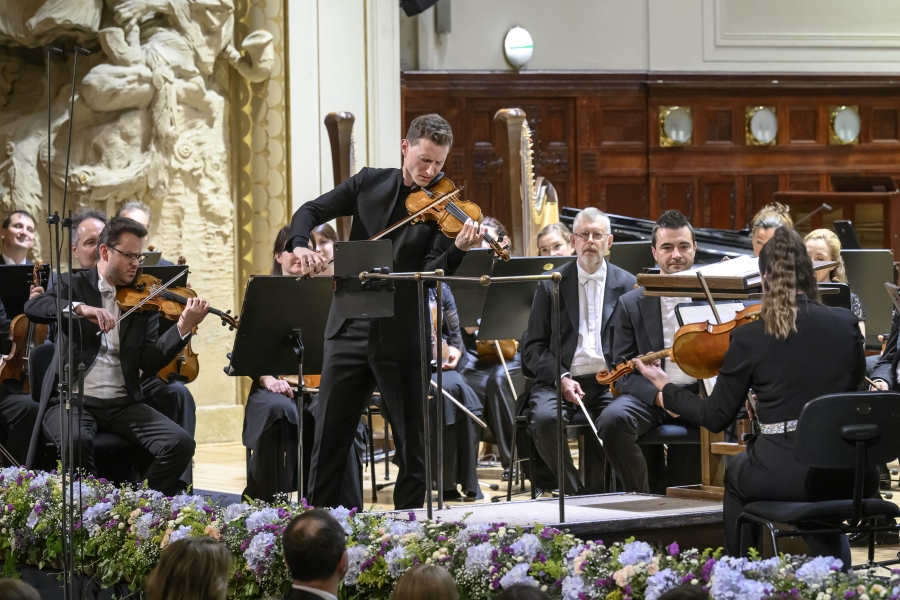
(797, 351)
(114, 354)
(361, 354)
(644, 324)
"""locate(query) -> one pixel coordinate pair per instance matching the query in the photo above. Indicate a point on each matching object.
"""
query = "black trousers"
(175, 401)
(170, 446)
(542, 428)
(354, 365)
(489, 382)
(18, 412)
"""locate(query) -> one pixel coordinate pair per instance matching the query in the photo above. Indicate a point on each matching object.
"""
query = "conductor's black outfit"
(140, 349)
(362, 354)
(824, 356)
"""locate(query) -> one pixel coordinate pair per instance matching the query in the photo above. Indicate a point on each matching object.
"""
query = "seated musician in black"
(588, 293)
(461, 435)
(113, 398)
(486, 376)
(643, 324)
(796, 336)
(18, 410)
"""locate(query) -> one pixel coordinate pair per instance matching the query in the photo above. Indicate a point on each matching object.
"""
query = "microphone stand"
(809, 216)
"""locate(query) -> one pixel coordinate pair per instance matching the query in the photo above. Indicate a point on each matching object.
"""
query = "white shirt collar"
(10, 261)
(102, 284)
(599, 275)
(316, 591)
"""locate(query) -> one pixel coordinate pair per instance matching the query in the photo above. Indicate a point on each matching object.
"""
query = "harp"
(532, 201)
(343, 157)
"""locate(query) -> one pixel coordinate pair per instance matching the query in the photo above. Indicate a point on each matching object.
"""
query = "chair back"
(39, 360)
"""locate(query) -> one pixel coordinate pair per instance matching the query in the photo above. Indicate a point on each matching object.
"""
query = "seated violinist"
(644, 324)
(795, 337)
(114, 354)
(18, 411)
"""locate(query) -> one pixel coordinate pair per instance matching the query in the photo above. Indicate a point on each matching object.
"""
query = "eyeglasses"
(589, 235)
(130, 257)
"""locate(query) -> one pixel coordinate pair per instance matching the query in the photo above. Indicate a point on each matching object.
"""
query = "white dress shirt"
(670, 326)
(10, 261)
(322, 593)
(104, 377)
(588, 357)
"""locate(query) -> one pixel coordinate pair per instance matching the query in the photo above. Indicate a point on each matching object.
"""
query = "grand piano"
(712, 244)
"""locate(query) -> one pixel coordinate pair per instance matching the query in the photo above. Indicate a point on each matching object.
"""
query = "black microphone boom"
(809, 216)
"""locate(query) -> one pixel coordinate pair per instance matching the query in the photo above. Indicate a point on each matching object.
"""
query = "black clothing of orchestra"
(361, 355)
(461, 434)
(638, 326)
(540, 360)
(825, 355)
(18, 411)
(141, 349)
(174, 400)
(886, 367)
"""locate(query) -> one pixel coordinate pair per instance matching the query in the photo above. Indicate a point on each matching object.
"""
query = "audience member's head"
(824, 244)
(323, 239)
(137, 211)
(86, 227)
(426, 581)
(520, 591)
(315, 550)
(15, 589)
(686, 592)
(555, 240)
(673, 243)
(17, 235)
(284, 263)
(766, 221)
(193, 568)
(591, 238)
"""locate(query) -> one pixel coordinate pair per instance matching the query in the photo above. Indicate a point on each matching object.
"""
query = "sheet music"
(742, 266)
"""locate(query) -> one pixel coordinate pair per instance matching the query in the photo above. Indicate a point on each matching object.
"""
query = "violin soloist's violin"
(697, 348)
(24, 336)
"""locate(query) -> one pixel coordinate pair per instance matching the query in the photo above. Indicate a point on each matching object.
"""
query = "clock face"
(518, 47)
(678, 125)
(845, 124)
(764, 125)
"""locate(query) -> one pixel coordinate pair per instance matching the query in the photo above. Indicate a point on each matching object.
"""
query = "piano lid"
(712, 244)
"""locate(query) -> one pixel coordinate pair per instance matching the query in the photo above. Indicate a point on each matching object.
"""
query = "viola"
(697, 348)
(487, 349)
(24, 336)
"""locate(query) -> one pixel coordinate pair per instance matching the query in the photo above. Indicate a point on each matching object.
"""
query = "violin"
(186, 366)
(487, 350)
(697, 348)
(24, 336)
(144, 294)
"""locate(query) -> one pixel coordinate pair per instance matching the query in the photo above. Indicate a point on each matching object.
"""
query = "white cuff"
(75, 305)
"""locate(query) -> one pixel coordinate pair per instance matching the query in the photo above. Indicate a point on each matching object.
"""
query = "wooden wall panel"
(596, 136)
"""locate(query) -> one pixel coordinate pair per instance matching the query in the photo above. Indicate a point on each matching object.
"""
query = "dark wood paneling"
(596, 136)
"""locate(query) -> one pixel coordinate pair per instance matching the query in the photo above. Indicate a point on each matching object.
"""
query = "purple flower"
(395, 561)
(183, 500)
(518, 575)
(235, 511)
(258, 519)
(673, 549)
(819, 570)
(572, 587)
(355, 556)
(527, 547)
(661, 582)
(93, 514)
(257, 552)
(636, 553)
(479, 558)
(182, 532)
(343, 517)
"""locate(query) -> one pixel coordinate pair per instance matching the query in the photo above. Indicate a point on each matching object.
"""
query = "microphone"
(809, 216)
(54, 49)
(83, 51)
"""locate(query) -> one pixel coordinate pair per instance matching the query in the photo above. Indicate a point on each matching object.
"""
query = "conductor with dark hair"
(796, 336)
(362, 354)
(114, 354)
(315, 552)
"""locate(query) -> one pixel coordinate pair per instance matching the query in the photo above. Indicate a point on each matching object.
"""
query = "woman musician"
(798, 350)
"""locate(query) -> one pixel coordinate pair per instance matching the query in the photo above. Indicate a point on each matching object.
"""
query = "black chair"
(115, 458)
(854, 431)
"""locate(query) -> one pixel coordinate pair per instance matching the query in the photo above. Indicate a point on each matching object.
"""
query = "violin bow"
(589, 419)
(153, 294)
(709, 298)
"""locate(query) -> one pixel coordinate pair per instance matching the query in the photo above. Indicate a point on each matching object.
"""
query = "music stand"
(353, 298)
(278, 335)
(469, 295)
(15, 286)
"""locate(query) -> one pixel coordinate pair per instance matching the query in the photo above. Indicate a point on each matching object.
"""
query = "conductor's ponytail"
(787, 271)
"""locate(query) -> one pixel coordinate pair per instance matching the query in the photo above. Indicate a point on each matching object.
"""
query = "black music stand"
(15, 286)
(470, 295)
(280, 334)
(355, 299)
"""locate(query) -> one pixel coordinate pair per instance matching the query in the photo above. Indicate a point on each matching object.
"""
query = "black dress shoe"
(505, 475)
(452, 495)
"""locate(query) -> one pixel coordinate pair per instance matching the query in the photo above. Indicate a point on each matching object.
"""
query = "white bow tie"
(597, 276)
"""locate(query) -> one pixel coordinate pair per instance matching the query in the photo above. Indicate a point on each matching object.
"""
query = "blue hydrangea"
(10, 473)
(257, 552)
(401, 528)
(39, 480)
(729, 581)
(527, 546)
(184, 500)
(33, 517)
(143, 525)
(93, 514)
(355, 555)
(572, 587)
(235, 511)
(342, 515)
(182, 532)
(518, 575)
(394, 558)
(479, 557)
(661, 582)
(465, 536)
(83, 492)
(635, 553)
(266, 516)
(819, 570)
(767, 568)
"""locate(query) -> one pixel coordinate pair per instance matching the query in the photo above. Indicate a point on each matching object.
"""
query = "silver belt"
(783, 427)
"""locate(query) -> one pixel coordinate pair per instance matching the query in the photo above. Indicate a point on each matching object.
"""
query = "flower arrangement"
(121, 533)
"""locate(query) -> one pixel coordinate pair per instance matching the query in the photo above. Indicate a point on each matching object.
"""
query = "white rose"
(121, 525)
(694, 582)
(543, 588)
(501, 531)
(436, 555)
(519, 559)
(179, 520)
(427, 561)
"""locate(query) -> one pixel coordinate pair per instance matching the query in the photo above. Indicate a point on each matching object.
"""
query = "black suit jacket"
(538, 345)
(824, 356)
(886, 367)
(638, 329)
(295, 594)
(370, 197)
(4, 328)
(140, 346)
